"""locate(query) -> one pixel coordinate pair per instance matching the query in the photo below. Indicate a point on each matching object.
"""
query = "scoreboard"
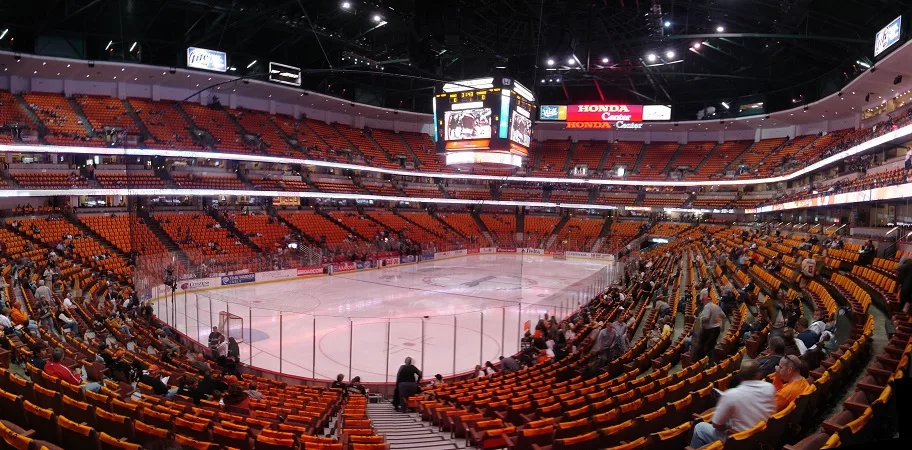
(484, 121)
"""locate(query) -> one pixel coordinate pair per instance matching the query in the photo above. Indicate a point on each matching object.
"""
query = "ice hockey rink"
(448, 315)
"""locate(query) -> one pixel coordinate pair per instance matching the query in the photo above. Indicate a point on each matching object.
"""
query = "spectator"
(479, 371)
(739, 408)
(788, 381)
(214, 339)
(210, 385)
(791, 348)
(234, 350)
(68, 323)
(253, 393)
(54, 368)
(355, 387)
(338, 384)
(807, 336)
(406, 384)
(710, 321)
(43, 293)
(509, 364)
(769, 362)
(198, 362)
(489, 368)
(152, 377)
(236, 397)
(438, 380)
(904, 275)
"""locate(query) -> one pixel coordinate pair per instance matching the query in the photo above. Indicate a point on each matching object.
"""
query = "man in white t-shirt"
(739, 408)
(710, 322)
(43, 292)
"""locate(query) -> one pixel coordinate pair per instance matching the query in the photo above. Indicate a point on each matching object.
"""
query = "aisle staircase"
(407, 431)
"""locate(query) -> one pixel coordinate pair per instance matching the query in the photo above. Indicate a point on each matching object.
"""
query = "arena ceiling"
(786, 52)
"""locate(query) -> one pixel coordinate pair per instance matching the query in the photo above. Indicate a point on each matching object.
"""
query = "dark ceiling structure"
(686, 53)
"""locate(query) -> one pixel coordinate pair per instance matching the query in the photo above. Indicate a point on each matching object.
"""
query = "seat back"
(13, 437)
(588, 441)
(677, 437)
(193, 444)
(116, 425)
(746, 440)
(146, 433)
(11, 407)
(109, 442)
(231, 438)
(538, 436)
(264, 442)
(43, 421)
(47, 398)
(81, 412)
(195, 429)
(75, 435)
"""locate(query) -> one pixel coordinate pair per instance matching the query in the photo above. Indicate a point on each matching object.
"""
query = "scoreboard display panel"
(485, 120)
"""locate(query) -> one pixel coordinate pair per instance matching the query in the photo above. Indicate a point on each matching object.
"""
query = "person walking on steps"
(406, 385)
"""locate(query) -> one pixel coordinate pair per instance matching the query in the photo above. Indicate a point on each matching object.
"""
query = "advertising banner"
(308, 271)
(487, 250)
(199, 283)
(276, 274)
(202, 58)
(228, 280)
(605, 113)
(534, 251)
(506, 250)
(427, 256)
(391, 261)
(344, 267)
(888, 36)
(408, 259)
(472, 251)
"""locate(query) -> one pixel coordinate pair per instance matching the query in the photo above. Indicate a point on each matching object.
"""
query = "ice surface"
(448, 315)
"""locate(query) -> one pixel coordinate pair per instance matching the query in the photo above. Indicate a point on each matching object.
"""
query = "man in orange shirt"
(788, 381)
(19, 317)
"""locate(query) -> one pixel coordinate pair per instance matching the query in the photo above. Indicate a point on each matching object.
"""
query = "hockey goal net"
(231, 325)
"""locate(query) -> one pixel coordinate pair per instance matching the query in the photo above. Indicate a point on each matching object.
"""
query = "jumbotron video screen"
(484, 121)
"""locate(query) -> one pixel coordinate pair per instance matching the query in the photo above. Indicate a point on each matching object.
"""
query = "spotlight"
(571, 61)
(110, 43)
(3, 35)
(667, 24)
(669, 54)
(720, 28)
(251, 63)
(377, 18)
(605, 60)
(725, 105)
(550, 62)
(346, 5)
(651, 57)
(697, 45)
(132, 47)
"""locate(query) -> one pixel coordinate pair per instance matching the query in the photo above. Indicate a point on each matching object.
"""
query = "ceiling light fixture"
(667, 24)
(651, 57)
(720, 28)
(110, 43)
(3, 35)
(251, 63)
(669, 54)
(377, 18)
(550, 62)
(346, 5)
(133, 47)
(571, 61)
(605, 60)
